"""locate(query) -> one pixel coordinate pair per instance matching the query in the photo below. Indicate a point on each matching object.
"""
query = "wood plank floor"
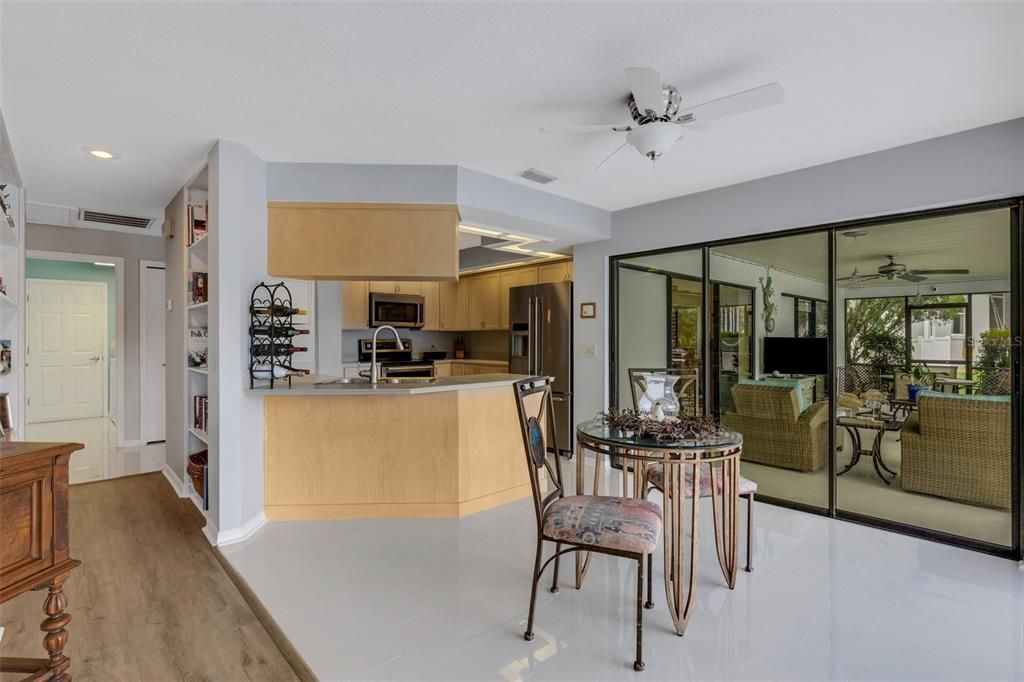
(150, 600)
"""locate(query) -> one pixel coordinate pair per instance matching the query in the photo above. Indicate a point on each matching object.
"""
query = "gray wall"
(106, 243)
(979, 164)
(174, 331)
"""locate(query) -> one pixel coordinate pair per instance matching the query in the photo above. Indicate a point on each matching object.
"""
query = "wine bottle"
(264, 371)
(276, 331)
(277, 349)
(277, 310)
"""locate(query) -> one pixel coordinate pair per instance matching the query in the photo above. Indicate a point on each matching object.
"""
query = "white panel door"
(66, 350)
(152, 320)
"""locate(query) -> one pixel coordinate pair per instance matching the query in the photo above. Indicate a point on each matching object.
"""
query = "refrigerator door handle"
(529, 337)
(535, 333)
(539, 309)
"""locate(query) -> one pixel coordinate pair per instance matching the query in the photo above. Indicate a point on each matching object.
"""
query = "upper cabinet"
(355, 305)
(476, 302)
(402, 242)
(555, 272)
(484, 302)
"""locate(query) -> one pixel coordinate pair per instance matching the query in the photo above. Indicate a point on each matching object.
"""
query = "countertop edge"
(446, 384)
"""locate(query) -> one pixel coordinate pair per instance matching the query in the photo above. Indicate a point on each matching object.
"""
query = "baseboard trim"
(243, 532)
(210, 531)
(176, 483)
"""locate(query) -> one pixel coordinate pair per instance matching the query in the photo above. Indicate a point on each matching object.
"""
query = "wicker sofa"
(775, 430)
(958, 447)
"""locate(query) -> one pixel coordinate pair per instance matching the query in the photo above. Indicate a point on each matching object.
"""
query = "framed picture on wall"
(588, 310)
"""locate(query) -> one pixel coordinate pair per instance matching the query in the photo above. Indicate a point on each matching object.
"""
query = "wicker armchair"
(775, 431)
(958, 447)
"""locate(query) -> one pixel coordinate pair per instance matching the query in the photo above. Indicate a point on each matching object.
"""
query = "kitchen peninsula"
(443, 447)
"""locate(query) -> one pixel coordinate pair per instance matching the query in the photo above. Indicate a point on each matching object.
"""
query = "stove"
(395, 361)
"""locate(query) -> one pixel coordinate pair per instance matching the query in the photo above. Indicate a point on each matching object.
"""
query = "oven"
(397, 310)
(417, 368)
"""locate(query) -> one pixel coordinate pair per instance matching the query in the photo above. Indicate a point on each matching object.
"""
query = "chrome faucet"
(374, 374)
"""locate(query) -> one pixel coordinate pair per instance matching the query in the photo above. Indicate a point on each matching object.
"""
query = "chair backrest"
(646, 392)
(900, 382)
(765, 401)
(540, 441)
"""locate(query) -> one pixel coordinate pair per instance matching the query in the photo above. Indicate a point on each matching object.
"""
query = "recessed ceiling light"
(100, 153)
(104, 265)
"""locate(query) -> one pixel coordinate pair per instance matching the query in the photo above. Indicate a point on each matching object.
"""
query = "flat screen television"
(787, 355)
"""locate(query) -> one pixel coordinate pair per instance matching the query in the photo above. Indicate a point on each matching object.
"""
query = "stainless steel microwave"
(397, 310)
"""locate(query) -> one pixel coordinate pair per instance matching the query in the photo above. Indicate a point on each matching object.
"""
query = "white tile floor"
(101, 459)
(447, 600)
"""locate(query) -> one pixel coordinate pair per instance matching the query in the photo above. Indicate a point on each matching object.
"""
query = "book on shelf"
(200, 412)
(198, 287)
(196, 221)
(198, 346)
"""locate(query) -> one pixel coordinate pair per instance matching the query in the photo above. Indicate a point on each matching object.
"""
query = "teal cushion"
(801, 404)
(961, 396)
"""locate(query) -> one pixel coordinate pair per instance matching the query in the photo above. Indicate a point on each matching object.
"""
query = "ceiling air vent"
(114, 219)
(534, 175)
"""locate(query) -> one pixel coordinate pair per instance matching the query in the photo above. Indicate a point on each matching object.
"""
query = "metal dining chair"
(618, 526)
(655, 472)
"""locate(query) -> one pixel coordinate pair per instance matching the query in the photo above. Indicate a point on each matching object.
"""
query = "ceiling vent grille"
(534, 175)
(114, 219)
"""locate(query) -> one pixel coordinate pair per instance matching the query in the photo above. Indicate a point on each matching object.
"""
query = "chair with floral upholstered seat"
(623, 527)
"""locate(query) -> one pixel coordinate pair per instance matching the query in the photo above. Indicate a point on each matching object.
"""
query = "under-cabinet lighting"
(104, 265)
(479, 230)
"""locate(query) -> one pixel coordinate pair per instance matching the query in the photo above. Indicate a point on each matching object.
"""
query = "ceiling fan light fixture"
(654, 139)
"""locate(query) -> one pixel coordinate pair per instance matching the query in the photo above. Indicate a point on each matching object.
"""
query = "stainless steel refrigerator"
(540, 343)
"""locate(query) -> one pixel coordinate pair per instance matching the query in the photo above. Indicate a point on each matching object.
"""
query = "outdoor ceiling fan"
(893, 270)
(659, 120)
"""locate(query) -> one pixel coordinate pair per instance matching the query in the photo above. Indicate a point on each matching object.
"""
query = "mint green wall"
(37, 268)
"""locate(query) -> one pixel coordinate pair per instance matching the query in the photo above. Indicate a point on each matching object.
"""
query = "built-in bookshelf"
(195, 232)
(12, 291)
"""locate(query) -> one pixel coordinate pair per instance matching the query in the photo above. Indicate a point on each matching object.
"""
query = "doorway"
(68, 368)
(152, 357)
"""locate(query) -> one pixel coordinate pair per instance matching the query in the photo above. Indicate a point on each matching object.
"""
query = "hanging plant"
(767, 301)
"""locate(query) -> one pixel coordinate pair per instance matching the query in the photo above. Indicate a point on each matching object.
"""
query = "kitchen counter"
(447, 448)
(320, 385)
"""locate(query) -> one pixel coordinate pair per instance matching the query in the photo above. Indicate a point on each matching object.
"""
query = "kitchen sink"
(383, 381)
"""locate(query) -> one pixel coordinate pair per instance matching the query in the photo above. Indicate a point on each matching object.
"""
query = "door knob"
(95, 358)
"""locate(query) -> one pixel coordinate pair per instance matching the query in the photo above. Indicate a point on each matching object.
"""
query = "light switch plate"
(588, 350)
(170, 304)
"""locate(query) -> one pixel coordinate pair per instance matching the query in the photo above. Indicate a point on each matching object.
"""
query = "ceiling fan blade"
(954, 271)
(609, 157)
(910, 277)
(858, 278)
(738, 103)
(607, 128)
(646, 86)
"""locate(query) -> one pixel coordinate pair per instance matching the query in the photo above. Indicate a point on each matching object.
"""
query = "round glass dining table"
(691, 469)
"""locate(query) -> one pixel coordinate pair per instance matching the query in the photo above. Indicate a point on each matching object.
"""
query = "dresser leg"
(56, 637)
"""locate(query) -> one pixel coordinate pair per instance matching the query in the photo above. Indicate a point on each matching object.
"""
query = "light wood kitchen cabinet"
(431, 306)
(355, 305)
(362, 241)
(484, 301)
(514, 277)
(442, 369)
(555, 272)
(391, 287)
(454, 306)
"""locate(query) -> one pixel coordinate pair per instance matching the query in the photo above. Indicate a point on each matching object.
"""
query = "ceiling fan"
(658, 118)
(893, 270)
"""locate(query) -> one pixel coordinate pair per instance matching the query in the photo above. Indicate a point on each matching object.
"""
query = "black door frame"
(1014, 550)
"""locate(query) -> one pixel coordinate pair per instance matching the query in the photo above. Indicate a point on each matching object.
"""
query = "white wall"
(238, 254)
(644, 324)
(979, 164)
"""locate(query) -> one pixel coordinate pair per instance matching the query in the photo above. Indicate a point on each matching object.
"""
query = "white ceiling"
(470, 84)
(979, 242)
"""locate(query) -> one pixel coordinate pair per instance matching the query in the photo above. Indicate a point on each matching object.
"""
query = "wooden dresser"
(34, 544)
